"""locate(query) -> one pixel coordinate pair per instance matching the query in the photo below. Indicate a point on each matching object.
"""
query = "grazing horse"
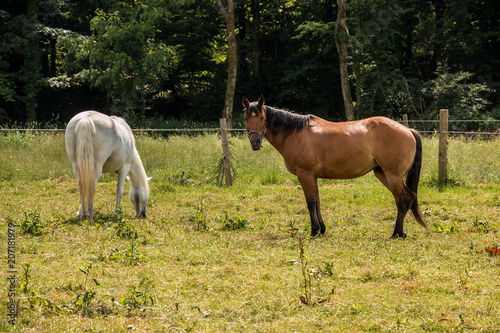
(97, 144)
(315, 148)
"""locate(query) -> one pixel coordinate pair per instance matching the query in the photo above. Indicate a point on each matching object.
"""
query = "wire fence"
(425, 127)
(430, 127)
(479, 156)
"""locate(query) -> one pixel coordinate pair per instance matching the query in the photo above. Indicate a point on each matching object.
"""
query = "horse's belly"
(342, 175)
(112, 164)
(349, 169)
(109, 167)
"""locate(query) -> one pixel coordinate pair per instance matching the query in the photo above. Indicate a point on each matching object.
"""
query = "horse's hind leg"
(403, 196)
(82, 213)
(318, 210)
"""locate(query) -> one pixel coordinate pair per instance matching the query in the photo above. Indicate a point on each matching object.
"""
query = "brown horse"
(315, 148)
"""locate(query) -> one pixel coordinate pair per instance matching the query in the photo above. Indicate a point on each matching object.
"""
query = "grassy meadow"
(212, 258)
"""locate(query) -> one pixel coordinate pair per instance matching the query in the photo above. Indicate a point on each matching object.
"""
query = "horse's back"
(350, 149)
(390, 139)
(113, 140)
(365, 133)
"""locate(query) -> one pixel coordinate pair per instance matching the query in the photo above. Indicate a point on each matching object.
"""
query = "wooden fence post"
(443, 146)
(225, 149)
(405, 120)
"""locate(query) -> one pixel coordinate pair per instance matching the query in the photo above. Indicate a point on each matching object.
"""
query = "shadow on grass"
(433, 182)
(99, 219)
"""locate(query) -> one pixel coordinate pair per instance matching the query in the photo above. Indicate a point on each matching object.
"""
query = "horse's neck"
(275, 139)
(137, 173)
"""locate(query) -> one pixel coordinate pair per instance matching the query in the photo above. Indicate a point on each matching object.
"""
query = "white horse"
(97, 144)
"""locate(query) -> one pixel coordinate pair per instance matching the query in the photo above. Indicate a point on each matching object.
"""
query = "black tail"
(414, 176)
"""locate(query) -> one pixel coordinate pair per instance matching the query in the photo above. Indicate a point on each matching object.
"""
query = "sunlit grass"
(202, 276)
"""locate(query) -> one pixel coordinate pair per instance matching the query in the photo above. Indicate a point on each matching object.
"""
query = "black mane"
(285, 121)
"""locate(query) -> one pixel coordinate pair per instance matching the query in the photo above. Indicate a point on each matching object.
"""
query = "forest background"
(152, 61)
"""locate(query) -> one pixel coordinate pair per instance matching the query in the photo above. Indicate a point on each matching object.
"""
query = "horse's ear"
(261, 100)
(245, 102)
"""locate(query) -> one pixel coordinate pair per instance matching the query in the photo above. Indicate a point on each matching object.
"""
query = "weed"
(263, 222)
(31, 224)
(191, 327)
(465, 279)
(125, 229)
(200, 221)
(85, 303)
(292, 229)
(310, 274)
(25, 288)
(139, 297)
(439, 228)
(31, 295)
(328, 270)
(218, 171)
(479, 226)
(130, 256)
(229, 223)
(180, 179)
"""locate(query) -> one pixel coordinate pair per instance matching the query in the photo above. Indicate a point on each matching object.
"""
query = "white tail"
(85, 132)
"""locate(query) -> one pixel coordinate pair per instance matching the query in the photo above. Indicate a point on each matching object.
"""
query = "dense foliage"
(147, 59)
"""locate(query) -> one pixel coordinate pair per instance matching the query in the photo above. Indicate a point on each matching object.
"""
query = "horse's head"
(139, 196)
(255, 121)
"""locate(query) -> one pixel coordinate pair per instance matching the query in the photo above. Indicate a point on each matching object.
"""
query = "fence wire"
(216, 130)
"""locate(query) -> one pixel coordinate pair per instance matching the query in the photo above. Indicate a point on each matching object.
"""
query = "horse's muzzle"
(256, 143)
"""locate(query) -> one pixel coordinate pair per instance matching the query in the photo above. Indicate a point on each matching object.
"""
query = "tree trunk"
(357, 67)
(232, 60)
(256, 39)
(341, 34)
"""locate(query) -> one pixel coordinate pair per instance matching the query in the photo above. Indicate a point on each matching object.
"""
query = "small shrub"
(229, 223)
(125, 229)
(31, 295)
(480, 226)
(292, 229)
(130, 256)
(31, 224)
(439, 228)
(86, 304)
(218, 171)
(199, 220)
(139, 297)
(24, 286)
(311, 274)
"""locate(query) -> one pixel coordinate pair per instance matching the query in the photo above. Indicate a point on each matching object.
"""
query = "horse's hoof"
(316, 235)
(399, 236)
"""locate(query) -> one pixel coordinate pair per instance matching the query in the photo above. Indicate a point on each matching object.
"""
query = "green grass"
(212, 258)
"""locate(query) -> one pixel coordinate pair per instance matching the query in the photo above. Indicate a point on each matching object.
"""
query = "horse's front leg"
(122, 176)
(310, 187)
